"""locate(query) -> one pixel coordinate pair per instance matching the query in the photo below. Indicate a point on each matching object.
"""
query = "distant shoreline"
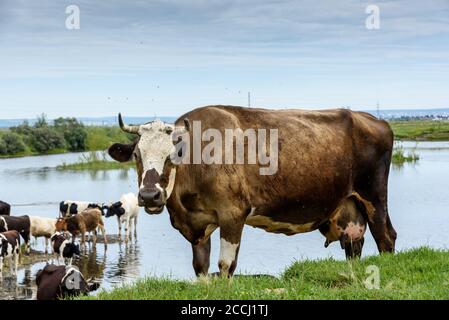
(387, 114)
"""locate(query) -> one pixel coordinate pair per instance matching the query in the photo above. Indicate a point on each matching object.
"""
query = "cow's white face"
(154, 146)
(151, 151)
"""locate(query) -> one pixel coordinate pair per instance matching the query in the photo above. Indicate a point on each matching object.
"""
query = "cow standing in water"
(69, 207)
(332, 175)
(9, 249)
(21, 224)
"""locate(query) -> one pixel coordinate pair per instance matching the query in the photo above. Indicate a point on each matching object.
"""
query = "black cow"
(5, 208)
(59, 282)
(10, 249)
(21, 224)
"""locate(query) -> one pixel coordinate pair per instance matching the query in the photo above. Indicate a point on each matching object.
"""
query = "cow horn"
(127, 128)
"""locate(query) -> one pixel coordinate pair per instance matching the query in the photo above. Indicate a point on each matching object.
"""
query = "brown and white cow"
(59, 282)
(87, 221)
(332, 176)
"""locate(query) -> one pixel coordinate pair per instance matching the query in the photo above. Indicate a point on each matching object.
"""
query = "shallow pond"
(418, 204)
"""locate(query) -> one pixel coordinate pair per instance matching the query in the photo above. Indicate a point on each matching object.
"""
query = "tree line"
(43, 136)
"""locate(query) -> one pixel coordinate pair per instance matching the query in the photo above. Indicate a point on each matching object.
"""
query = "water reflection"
(92, 264)
(126, 265)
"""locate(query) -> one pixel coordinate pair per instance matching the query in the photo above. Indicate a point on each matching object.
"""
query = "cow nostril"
(150, 197)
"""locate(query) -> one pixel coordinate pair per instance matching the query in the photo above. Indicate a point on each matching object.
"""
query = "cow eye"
(168, 130)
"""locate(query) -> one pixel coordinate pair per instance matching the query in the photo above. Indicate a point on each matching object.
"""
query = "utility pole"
(378, 109)
(249, 99)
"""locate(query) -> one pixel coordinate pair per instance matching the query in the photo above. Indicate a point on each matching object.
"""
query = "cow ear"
(121, 152)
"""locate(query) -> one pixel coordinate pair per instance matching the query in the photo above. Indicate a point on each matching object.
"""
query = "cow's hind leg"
(27, 237)
(375, 192)
(201, 257)
(103, 232)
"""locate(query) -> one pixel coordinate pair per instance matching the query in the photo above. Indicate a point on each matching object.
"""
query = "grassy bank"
(94, 162)
(421, 273)
(421, 130)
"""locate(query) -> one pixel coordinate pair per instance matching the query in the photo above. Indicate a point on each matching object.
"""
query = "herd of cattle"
(76, 219)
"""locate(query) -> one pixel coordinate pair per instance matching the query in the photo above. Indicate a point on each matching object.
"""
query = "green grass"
(101, 138)
(95, 162)
(421, 273)
(399, 156)
(421, 130)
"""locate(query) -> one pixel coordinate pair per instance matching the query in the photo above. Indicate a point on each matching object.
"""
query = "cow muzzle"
(152, 200)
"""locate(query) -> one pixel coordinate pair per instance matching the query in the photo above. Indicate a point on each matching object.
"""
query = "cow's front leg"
(119, 221)
(126, 230)
(230, 236)
(135, 227)
(27, 240)
(16, 261)
(201, 257)
(46, 245)
(83, 240)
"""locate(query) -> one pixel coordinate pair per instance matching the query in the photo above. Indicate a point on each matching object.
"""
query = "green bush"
(44, 139)
(12, 144)
(74, 133)
(22, 129)
(3, 149)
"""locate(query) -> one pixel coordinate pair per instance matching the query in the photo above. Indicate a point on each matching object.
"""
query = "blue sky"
(165, 57)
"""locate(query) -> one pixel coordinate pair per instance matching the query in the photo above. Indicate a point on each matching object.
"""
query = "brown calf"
(87, 221)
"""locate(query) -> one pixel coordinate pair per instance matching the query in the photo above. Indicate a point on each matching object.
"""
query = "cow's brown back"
(322, 155)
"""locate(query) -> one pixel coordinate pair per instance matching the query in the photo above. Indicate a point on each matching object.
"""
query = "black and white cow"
(5, 208)
(69, 208)
(19, 223)
(9, 249)
(126, 210)
(65, 247)
(59, 282)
